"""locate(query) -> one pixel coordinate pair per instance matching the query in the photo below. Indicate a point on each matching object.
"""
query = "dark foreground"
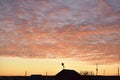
(62, 75)
(52, 78)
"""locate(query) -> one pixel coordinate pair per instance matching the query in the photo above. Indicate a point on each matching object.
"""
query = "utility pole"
(25, 73)
(118, 71)
(46, 73)
(96, 69)
(104, 72)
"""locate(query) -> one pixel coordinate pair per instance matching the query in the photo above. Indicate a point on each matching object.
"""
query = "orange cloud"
(100, 45)
(56, 29)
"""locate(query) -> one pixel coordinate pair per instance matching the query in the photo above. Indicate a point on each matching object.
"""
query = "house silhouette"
(36, 77)
(64, 74)
(67, 74)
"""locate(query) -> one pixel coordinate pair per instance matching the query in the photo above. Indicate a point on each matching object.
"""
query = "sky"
(38, 35)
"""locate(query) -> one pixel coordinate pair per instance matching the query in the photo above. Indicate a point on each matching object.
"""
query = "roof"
(66, 74)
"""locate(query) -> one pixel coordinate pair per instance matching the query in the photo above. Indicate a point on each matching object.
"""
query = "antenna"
(118, 71)
(63, 65)
(46, 73)
(104, 72)
(96, 69)
(25, 73)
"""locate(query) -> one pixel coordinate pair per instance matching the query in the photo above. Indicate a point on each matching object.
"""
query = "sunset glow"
(38, 35)
(18, 66)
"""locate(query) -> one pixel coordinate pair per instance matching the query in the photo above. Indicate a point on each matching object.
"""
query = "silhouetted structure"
(40, 77)
(35, 77)
(65, 74)
(96, 69)
(118, 71)
(104, 72)
(63, 65)
(25, 73)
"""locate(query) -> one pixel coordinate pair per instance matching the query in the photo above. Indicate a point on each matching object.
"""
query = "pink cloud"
(57, 29)
(100, 46)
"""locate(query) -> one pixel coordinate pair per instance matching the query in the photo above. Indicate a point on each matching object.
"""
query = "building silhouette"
(64, 74)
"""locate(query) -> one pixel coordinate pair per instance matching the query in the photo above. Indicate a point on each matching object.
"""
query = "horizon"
(38, 35)
(41, 66)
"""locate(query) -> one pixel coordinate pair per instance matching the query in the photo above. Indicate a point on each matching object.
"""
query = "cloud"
(100, 46)
(82, 30)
